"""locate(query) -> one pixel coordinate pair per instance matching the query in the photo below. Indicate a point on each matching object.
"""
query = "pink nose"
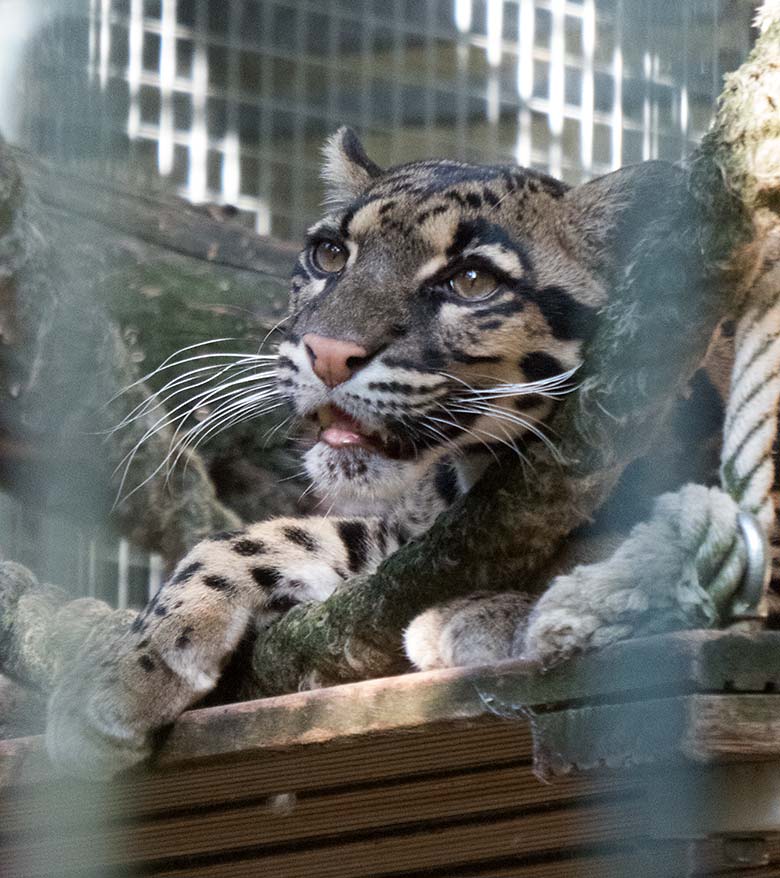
(334, 361)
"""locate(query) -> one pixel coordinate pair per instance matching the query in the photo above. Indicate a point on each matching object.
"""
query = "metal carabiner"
(747, 601)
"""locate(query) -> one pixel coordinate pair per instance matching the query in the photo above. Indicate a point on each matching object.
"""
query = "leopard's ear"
(614, 213)
(347, 170)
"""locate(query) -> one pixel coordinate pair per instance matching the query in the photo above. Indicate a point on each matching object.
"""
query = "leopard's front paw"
(556, 635)
(108, 702)
(133, 677)
(569, 620)
(477, 630)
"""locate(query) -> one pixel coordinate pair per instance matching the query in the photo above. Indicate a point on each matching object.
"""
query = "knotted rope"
(701, 560)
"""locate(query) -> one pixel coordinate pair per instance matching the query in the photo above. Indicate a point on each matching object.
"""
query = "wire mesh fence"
(230, 102)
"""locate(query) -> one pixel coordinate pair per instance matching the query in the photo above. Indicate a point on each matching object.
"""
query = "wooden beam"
(632, 703)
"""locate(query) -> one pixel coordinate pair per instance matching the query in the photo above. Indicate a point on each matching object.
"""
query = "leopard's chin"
(357, 474)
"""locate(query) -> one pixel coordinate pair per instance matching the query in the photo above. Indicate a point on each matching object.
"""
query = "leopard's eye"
(473, 283)
(329, 257)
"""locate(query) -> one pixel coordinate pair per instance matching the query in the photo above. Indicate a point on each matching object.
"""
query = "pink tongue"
(338, 437)
(343, 431)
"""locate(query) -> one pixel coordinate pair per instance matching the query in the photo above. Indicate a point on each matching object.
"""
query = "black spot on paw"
(218, 583)
(249, 547)
(146, 663)
(281, 603)
(185, 573)
(160, 610)
(143, 643)
(265, 577)
(301, 538)
(354, 535)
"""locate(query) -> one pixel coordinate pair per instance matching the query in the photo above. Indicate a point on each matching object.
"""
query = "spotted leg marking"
(128, 682)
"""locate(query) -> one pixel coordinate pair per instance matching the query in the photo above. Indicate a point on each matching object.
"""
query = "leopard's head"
(440, 308)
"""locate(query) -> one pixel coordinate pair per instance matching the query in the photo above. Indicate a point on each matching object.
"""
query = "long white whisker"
(265, 439)
(465, 430)
(436, 433)
(159, 425)
(501, 414)
(169, 364)
(307, 490)
(233, 402)
(246, 414)
(272, 330)
(509, 443)
(296, 475)
(191, 405)
(159, 468)
(160, 400)
(211, 427)
(552, 386)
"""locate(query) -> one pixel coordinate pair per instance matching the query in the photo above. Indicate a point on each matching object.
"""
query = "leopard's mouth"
(345, 433)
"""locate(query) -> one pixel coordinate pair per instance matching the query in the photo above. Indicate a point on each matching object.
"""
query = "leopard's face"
(437, 310)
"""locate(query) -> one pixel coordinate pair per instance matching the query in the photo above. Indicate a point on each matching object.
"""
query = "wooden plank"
(722, 727)
(533, 834)
(146, 793)
(681, 662)
(638, 670)
(697, 728)
(555, 834)
(636, 860)
(269, 823)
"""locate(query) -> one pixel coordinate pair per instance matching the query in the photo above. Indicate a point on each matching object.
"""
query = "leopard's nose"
(333, 360)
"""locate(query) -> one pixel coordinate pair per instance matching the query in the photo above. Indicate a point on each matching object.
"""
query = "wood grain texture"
(399, 776)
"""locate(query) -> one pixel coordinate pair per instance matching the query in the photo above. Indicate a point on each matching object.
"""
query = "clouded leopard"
(437, 313)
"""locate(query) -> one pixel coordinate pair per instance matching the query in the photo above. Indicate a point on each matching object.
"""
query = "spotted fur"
(446, 385)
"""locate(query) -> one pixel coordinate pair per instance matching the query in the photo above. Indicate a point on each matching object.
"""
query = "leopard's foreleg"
(129, 680)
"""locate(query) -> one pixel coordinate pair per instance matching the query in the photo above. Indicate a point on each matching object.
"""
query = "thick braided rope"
(747, 461)
(747, 458)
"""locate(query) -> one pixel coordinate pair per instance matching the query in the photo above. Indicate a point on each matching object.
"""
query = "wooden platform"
(662, 757)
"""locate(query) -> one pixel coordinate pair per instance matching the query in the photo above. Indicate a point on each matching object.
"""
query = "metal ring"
(758, 567)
